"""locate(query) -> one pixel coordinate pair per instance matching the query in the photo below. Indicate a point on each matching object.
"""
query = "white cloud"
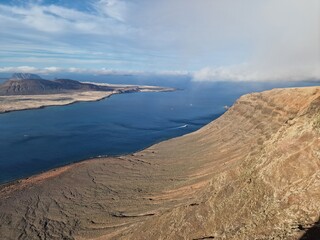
(116, 9)
(247, 72)
(50, 70)
(29, 69)
(276, 39)
(57, 19)
(101, 71)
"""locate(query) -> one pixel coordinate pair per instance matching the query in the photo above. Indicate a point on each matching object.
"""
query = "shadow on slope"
(312, 233)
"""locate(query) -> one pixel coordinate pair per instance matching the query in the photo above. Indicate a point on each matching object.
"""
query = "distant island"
(29, 91)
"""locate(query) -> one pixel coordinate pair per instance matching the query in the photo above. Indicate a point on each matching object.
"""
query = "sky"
(213, 40)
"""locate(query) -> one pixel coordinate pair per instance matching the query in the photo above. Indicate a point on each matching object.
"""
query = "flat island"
(29, 91)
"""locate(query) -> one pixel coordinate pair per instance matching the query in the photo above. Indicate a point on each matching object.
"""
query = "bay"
(33, 141)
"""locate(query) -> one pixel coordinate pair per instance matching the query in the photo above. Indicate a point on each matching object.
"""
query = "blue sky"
(213, 40)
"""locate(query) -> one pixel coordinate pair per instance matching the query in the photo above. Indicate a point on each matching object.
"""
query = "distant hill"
(25, 76)
(31, 84)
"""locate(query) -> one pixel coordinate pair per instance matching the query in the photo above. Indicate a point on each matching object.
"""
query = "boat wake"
(183, 126)
(154, 129)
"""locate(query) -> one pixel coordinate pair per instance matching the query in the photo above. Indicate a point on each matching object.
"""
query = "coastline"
(92, 158)
(214, 179)
(28, 102)
(90, 96)
(56, 102)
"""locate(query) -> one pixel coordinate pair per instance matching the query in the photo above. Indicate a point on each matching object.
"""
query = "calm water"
(36, 140)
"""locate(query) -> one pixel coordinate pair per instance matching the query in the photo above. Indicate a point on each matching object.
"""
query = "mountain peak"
(22, 76)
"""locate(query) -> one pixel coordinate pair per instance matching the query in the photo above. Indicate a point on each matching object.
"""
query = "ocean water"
(33, 141)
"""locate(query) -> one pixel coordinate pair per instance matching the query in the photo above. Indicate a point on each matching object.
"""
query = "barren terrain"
(24, 102)
(254, 173)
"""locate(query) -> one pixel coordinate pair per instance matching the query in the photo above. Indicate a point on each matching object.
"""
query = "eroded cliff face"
(254, 173)
(267, 186)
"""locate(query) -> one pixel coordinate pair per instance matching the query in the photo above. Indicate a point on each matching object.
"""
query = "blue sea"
(33, 141)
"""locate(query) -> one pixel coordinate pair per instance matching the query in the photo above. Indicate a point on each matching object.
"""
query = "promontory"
(28, 91)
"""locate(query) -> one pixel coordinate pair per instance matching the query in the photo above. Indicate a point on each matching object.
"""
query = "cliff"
(254, 173)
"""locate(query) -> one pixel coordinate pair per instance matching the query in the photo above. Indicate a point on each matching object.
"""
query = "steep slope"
(69, 84)
(254, 173)
(29, 86)
(269, 183)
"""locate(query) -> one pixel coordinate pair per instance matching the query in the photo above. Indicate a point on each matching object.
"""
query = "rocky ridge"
(31, 84)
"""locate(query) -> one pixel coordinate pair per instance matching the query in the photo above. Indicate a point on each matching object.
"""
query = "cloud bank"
(101, 71)
(247, 72)
(244, 40)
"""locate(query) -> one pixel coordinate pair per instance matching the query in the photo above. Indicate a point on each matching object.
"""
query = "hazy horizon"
(210, 40)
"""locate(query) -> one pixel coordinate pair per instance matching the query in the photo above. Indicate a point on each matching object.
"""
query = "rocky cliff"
(254, 173)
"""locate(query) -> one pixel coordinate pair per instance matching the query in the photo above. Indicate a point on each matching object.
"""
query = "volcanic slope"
(254, 173)
(31, 84)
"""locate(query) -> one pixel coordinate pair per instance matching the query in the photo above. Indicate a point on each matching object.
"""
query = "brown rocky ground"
(254, 173)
